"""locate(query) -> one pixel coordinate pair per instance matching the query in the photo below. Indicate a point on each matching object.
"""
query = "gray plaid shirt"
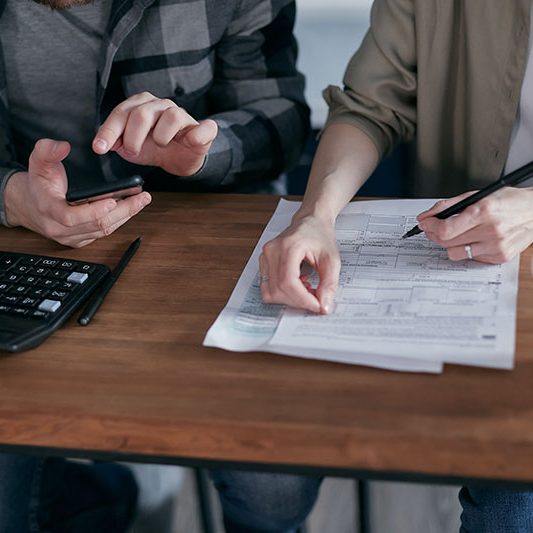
(230, 60)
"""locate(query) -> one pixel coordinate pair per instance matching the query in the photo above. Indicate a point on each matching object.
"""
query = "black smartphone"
(116, 189)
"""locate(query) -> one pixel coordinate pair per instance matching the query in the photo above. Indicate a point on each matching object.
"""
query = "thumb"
(46, 156)
(200, 137)
(328, 269)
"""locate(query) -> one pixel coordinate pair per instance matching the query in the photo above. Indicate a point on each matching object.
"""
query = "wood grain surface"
(137, 380)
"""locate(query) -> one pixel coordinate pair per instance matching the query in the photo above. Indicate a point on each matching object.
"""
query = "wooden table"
(137, 383)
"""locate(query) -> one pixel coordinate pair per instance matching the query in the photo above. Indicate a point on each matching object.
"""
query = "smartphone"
(116, 189)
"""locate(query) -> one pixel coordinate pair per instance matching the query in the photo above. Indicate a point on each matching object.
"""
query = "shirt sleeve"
(380, 82)
(257, 97)
(5, 173)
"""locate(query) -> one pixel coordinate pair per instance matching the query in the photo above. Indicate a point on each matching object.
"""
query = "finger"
(81, 240)
(289, 289)
(200, 137)
(328, 268)
(486, 252)
(173, 120)
(283, 285)
(444, 231)
(113, 127)
(96, 223)
(45, 156)
(143, 118)
(441, 205)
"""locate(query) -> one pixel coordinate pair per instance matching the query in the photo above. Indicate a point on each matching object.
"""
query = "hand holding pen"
(492, 225)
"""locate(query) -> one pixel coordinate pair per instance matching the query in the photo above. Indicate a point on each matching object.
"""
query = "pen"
(109, 281)
(513, 178)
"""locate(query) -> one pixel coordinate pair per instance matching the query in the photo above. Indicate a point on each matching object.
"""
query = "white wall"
(328, 33)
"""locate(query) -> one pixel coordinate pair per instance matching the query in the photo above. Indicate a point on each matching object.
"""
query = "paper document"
(401, 304)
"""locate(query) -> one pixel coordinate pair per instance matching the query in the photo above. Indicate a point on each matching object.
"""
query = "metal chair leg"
(363, 499)
(206, 509)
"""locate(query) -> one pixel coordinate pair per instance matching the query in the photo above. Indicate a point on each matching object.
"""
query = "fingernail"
(327, 305)
(100, 145)
(110, 205)
(146, 200)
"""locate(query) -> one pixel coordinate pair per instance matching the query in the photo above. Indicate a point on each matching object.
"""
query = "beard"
(63, 4)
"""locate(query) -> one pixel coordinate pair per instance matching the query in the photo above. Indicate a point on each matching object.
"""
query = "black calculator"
(38, 294)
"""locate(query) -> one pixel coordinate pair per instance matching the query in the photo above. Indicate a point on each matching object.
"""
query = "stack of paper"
(401, 304)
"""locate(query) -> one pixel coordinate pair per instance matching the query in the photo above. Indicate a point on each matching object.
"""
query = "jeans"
(488, 510)
(255, 502)
(59, 496)
(278, 503)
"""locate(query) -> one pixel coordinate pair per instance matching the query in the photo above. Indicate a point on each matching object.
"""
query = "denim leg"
(255, 502)
(86, 497)
(19, 493)
(488, 510)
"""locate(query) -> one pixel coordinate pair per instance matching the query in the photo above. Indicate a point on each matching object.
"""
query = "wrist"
(14, 198)
(323, 214)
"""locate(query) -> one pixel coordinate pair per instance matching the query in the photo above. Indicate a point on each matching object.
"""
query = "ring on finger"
(263, 278)
(468, 251)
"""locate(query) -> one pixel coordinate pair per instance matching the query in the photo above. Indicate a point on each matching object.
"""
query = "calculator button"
(32, 261)
(38, 292)
(49, 305)
(49, 262)
(7, 262)
(22, 269)
(67, 265)
(19, 289)
(58, 295)
(58, 274)
(78, 277)
(20, 311)
(86, 268)
(9, 298)
(29, 302)
(39, 314)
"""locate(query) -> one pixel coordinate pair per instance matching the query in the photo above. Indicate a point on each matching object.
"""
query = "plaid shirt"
(230, 60)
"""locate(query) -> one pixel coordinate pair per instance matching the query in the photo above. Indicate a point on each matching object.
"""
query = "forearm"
(344, 160)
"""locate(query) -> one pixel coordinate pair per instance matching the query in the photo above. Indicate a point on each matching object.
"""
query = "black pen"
(109, 281)
(513, 178)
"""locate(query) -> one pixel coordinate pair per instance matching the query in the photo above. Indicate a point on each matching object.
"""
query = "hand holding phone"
(36, 200)
(117, 189)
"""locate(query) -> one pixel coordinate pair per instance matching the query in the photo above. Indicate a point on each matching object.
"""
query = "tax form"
(401, 304)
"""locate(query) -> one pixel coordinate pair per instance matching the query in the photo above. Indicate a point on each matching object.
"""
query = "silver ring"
(468, 251)
(263, 279)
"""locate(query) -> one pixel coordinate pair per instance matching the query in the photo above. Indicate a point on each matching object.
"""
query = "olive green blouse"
(446, 71)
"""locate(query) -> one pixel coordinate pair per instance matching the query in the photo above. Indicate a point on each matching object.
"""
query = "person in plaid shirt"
(193, 95)
(198, 95)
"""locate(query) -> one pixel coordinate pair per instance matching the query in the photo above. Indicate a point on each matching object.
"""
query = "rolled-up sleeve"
(380, 83)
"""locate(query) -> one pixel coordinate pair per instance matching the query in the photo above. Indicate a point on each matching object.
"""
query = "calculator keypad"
(38, 286)
(38, 294)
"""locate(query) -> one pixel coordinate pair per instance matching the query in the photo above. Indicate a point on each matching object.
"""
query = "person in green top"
(457, 76)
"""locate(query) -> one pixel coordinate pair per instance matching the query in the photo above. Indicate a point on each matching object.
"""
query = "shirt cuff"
(217, 163)
(5, 174)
